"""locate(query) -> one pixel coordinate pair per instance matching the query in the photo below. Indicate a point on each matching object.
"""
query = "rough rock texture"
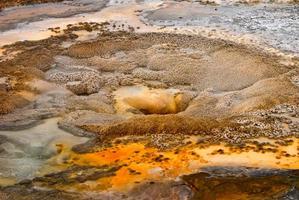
(228, 81)
(100, 102)
(227, 93)
(74, 120)
(215, 183)
(255, 185)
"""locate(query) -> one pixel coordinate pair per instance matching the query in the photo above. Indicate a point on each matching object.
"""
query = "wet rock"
(27, 193)
(74, 120)
(234, 184)
(169, 190)
(47, 105)
(291, 195)
(90, 146)
(99, 102)
(55, 99)
(24, 119)
(77, 174)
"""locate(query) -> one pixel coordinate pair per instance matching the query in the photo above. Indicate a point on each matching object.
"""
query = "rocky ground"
(204, 185)
(146, 101)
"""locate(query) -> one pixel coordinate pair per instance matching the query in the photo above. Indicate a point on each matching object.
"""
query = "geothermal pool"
(149, 100)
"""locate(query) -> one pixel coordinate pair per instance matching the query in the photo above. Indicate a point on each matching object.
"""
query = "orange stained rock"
(140, 163)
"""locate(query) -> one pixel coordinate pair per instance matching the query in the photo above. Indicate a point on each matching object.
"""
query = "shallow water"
(38, 30)
(24, 153)
(151, 101)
